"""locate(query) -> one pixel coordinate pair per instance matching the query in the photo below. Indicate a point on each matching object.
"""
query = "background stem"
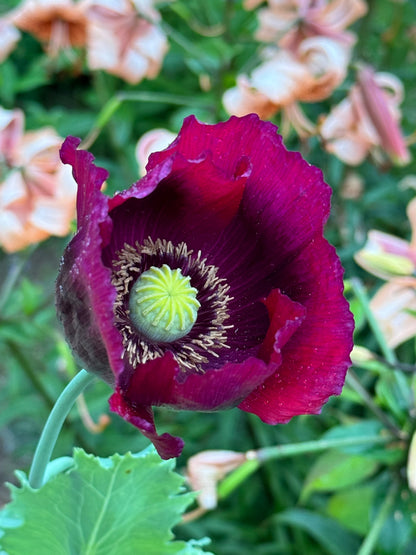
(362, 298)
(369, 544)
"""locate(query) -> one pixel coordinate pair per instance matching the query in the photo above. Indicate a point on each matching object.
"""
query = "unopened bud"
(361, 354)
(206, 469)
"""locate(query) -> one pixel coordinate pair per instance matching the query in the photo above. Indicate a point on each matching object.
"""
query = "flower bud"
(206, 469)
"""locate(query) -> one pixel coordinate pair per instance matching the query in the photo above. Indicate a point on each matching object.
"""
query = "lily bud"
(206, 469)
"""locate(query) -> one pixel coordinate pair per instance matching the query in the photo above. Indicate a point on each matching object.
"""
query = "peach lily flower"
(311, 74)
(152, 141)
(11, 129)
(60, 24)
(288, 22)
(386, 256)
(37, 193)
(312, 60)
(393, 259)
(367, 120)
(124, 39)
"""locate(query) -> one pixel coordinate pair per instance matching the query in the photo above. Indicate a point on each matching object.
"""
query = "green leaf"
(328, 533)
(394, 392)
(335, 470)
(115, 506)
(352, 508)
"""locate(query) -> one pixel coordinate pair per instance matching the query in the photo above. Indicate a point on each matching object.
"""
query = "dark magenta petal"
(89, 178)
(315, 360)
(159, 383)
(285, 317)
(199, 180)
(193, 202)
(142, 417)
(84, 294)
(281, 187)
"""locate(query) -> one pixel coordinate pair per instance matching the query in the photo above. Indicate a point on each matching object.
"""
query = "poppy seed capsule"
(163, 304)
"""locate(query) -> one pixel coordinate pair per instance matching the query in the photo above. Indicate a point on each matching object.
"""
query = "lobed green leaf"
(115, 506)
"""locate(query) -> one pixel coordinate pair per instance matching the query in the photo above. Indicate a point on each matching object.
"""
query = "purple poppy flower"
(207, 284)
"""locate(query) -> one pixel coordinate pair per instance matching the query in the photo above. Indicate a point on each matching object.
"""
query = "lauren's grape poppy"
(207, 284)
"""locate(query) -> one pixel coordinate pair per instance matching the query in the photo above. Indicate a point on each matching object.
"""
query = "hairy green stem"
(369, 544)
(54, 424)
(291, 449)
(256, 458)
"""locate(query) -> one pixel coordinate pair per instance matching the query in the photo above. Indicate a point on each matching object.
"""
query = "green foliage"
(115, 506)
(342, 492)
(327, 532)
(394, 393)
(352, 507)
(335, 470)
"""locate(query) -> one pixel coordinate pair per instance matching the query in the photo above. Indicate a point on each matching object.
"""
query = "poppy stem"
(54, 424)
(259, 456)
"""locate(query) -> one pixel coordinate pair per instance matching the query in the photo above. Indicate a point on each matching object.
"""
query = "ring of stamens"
(207, 335)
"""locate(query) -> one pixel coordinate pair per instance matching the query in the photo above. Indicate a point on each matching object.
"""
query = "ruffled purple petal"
(316, 359)
(285, 200)
(180, 200)
(84, 294)
(158, 382)
(89, 178)
(155, 383)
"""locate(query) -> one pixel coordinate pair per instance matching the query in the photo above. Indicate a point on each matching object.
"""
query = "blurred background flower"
(394, 260)
(309, 59)
(367, 120)
(289, 22)
(124, 38)
(394, 307)
(58, 24)
(205, 469)
(152, 141)
(37, 194)
(308, 74)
